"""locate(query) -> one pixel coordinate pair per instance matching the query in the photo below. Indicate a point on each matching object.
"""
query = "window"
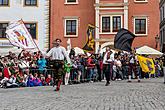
(71, 27)
(105, 24)
(3, 30)
(4, 2)
(140, 0)
(30, 2)
(32, 28)
(71, 1)
(111, 24)
(140, 26)
(116, 23)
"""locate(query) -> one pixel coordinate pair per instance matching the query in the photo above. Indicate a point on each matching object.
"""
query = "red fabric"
(6, 72)
(48, 80)
(101, 65)
(58, 85)
(89, 62)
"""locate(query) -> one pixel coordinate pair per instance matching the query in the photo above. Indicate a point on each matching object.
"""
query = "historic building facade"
(69, 19)
(34, 13)
(138, 16)
(162, 25)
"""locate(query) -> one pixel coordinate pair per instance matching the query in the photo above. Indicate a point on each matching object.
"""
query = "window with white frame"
(71, 1)
(105, 24)
(30, 3)
(116, 23)
(111, 24)
(140, 26)
(71, 27)
(140, 0)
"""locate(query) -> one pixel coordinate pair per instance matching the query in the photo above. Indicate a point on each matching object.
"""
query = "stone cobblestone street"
(119, 95)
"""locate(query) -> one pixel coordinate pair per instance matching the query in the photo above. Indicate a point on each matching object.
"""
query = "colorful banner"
(19, 36)
(90, 44)
(146, 64)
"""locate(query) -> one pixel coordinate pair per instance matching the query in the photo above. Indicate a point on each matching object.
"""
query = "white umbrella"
(78, 51)
(148, 50)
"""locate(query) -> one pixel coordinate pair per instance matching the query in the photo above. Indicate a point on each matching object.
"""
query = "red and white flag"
(19, 36)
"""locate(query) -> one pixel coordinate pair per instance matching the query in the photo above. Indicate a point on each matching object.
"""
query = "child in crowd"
(42, 77)
(67, 68)
(49, 80)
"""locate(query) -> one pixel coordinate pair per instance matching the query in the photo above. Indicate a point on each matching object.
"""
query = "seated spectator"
(30, 81)
(20, 80)
(42, 77)
(1, 77)
(49, 80)
(36, 80)
(11, 82)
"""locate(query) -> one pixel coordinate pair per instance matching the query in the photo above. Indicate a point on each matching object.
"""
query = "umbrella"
(148, 50)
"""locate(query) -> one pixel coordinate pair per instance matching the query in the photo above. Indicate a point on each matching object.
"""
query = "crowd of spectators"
(28, 69)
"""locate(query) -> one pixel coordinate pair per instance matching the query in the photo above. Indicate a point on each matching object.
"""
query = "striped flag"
(19, 36)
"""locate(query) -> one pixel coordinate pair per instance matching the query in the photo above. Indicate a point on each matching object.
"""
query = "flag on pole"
(19, 36)
(123, 40)
(146, 64)
(90, 44)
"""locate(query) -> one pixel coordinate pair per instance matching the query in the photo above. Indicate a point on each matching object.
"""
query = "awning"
(148, 50)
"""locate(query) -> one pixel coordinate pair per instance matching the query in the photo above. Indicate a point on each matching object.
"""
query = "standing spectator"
(67, 68)
(79, 71)
(163, 60)
(74, 71)
(90, 67)
(125, 65)
(42, 65)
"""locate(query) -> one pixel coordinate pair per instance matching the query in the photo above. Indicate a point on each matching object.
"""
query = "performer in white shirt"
(108, 65)
(58, 54)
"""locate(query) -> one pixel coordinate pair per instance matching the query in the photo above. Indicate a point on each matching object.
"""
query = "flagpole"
(30, 36)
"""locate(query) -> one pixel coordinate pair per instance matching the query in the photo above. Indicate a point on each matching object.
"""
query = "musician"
(58, 54)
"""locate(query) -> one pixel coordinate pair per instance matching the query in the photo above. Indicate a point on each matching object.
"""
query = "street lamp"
(156, 40)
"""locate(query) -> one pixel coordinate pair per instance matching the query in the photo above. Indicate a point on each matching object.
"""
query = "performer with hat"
(58, 54)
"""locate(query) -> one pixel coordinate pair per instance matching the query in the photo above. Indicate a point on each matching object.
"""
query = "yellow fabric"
(146, 64)
(21, 38)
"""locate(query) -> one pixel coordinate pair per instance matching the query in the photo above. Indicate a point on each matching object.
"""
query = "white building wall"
(38, 14)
